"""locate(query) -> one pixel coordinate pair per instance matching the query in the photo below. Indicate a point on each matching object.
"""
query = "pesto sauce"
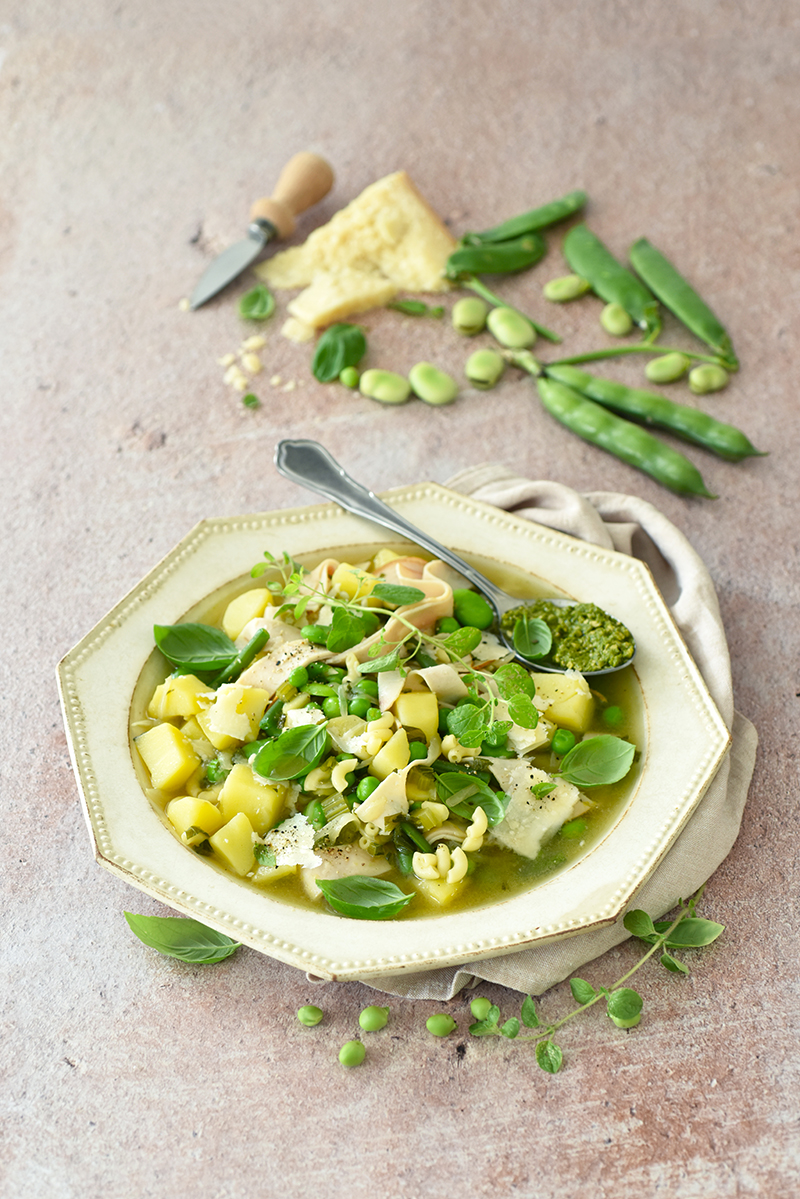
(584, 636)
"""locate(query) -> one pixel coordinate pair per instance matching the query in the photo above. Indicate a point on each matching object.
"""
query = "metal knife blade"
(304, 181)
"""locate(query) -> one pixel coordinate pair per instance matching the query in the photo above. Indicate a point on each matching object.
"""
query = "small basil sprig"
(397, 594)
(196, 646)
(532, 637)
(470, 793)
(597, 760)
(340, 346)
(257, 304)
(181, 937)
(363, 897)
(292, 754)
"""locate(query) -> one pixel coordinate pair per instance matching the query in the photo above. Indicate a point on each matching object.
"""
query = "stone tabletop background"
(133, 138)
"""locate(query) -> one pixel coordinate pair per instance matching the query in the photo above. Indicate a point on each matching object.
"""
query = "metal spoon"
(309, 464)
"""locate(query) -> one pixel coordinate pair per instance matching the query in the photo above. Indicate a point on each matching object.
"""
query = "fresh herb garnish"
(340, 346)
(396, 594)
(597, 760)
(363, 897)
(197, 646)
(416, 308)
(181, 937)
(292, 754)
(257, 304)
(532, 637)
(251, 401)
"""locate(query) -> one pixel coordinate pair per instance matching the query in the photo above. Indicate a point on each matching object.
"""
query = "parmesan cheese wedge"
(530, 822)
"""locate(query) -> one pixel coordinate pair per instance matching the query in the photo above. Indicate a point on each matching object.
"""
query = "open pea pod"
(500, 259)
(589, 257)
(529, 222)
(682, 300)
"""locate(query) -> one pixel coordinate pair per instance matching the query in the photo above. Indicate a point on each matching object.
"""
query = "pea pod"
(529, 222)
(589, 257)
(499, 259)
(626, 441)
(681, 299)
(695, 426)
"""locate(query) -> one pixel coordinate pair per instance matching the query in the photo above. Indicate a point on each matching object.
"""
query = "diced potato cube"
(418, 710)
(234, 844)
(234, 715)
(200, 743)
(439, 890)
(184, 695)
(394, 755)
(187, 812)
(382, 557)
(265, 875)
(570, 701)
(354, 583)
(242, 792)
(168, 755)
(243, 609)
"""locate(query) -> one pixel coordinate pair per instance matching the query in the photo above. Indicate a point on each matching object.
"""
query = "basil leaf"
(388, 661)
(549, 1056)
(513, 679)
(582, 992)
(541, 789)
(523, 711)
(394, 593)
(672, 964)
(199, 646)
(477, 794)
(639, 924)
(340, 346)
(597, 760)
(691, 933)
(346, 630)
(468, 725)
(291, 754)
(624, 1004)
(511, 1028)
(532, 637)
(529, 1015)
(363, 897)
(181, 937)
(257, 304)
(415, 308)
(464, 641)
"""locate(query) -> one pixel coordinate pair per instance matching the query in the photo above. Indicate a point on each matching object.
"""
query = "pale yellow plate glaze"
(109, 669)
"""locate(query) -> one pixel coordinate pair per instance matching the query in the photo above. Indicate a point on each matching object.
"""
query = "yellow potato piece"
(418, 710)
(234, 844)
(234, 715)
(354, 583)
(242, 792)
(394, 755)
(187, 812)
(438, 890)
(265, 875)
(570, 701)
(185, 695)
(243, 609)
(168, 755)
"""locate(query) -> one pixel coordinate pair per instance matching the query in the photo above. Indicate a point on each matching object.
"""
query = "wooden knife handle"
(304, 181)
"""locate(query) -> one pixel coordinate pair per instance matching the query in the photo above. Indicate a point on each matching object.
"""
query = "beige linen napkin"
(632, 526)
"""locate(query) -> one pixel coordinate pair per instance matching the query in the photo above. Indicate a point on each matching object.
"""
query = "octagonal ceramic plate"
(113, 669)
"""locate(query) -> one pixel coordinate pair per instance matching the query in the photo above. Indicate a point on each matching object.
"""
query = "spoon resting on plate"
(312, 466)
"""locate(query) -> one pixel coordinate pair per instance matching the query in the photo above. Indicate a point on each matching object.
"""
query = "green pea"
(366, 786)
(299, 677)
(480, 1007)
(485, 369)
(359, 706)
(373, 714)
(331, 707)
(573, 829)
(568, 287)
(315, 814)
(511, 328)
(349, 377)
(373, 1018)
(441, 1025)
(469, 316)
(352, 1053)
(432, 385)
(707, 377)
(563, 741)
(613, 716)
(366, 687)
(667, 368)
(309, 1015)
(317, 634)
(470, 608)
(615, 320)
(448, 624)
(384, 386)
(417, 750)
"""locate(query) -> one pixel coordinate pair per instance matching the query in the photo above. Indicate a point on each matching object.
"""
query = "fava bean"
(626, 441)
(352, 1053)
(384, 386)
(309, 1015)
(615, 320)
(681, 299)
(366, 786)
(589, 257)
(447, 624)
(511, 328)
(724, 440)
(432, 385)
(471, 609)
(485, 369)
(469, 316)
(667, 368)
(441, 1025)
(707, 377)
(568, 287)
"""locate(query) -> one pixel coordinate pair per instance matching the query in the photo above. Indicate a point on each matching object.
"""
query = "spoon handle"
(309, 464)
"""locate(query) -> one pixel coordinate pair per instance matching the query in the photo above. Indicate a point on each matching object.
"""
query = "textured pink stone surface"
(133, 138)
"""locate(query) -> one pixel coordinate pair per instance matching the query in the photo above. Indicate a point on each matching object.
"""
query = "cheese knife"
(304, 181)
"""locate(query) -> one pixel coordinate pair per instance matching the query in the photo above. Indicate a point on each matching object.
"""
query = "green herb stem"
(642, 347)
(480, 288)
